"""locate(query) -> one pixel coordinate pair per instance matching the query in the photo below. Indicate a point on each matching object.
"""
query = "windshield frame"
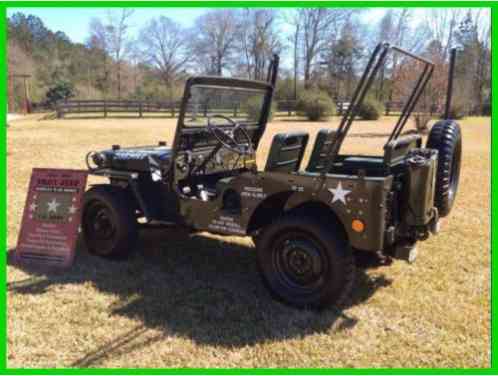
(376, 61)
(225, 82)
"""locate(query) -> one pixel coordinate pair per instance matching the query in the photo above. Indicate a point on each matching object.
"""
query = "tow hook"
(406, 251)
(435, 226)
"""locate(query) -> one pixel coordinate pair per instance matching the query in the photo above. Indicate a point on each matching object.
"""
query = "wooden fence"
(107, 107)
(172, 108)
(140, 108)
(393, 107)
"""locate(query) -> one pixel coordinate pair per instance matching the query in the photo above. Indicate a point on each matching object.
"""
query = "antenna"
(451, 73)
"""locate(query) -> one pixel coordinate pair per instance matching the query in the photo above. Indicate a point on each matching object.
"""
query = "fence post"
(387, 108)
(140, 109)
(205, 110)
(58, 108)
(235, 110)
(172, 104)
(105, 108)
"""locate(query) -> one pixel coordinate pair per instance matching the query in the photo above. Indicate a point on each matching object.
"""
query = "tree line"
(321, 48)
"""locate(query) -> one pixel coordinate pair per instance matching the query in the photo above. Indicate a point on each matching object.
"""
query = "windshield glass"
(242, 105)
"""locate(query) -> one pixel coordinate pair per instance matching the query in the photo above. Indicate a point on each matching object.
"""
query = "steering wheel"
(227, 137)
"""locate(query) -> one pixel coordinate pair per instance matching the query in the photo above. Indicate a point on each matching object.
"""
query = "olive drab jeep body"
(306, 221)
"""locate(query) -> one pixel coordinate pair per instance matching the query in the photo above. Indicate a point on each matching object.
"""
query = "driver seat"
(286, 152)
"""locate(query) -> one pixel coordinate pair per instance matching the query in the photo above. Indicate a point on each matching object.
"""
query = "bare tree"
(165, 45)
(215, 39)
(135, 58)
(117, 32)
(341, 57)
(442, 24)
(19, 62)
(293, 40)
(473, 63)
(386, 27)
(112, 37)
(398, 28)
(258, 39)
(318, 26)
(98, 42)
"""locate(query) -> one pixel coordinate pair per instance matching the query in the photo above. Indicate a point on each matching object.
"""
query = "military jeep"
(306, 221)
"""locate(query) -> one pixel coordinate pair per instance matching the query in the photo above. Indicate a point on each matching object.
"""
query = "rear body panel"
(350, 198)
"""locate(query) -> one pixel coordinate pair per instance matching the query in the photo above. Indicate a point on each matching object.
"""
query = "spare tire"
(446, 137)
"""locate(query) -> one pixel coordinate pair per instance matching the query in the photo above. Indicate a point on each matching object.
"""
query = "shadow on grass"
(197, 287)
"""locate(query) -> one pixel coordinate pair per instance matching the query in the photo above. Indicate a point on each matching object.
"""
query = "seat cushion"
(286, 152)
(363, 161)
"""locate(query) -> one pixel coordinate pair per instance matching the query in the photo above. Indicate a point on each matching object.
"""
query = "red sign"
(51, 217)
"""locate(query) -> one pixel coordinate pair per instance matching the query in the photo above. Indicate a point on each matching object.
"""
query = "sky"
(74, 21)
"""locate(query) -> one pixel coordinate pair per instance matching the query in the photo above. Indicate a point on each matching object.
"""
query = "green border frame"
(493, 370)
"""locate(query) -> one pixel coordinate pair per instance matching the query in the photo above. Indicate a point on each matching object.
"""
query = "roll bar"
(376, 61)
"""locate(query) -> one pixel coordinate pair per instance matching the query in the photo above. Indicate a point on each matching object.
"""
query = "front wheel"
(304, 263)
(108, 222)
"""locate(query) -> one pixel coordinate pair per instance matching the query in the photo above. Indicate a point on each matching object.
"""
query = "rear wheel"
(305, 264)
(446, 138)
(108, 222)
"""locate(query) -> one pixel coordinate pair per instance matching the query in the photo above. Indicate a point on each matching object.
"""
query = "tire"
(446, 138)
(255, 239)
(108, 223)
(304, 263)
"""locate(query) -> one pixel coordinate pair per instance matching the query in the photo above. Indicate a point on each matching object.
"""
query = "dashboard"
(207, 161)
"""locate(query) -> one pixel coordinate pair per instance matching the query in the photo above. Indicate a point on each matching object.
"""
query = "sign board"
(51, 218)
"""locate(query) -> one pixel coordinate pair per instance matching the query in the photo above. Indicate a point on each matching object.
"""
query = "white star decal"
(52, 205)
(72, 209)
(33, 207)
(339, 193)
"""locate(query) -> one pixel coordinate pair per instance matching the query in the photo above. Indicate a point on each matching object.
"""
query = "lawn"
(197, 300)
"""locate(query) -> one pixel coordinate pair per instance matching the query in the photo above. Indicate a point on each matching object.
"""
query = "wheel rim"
(100, 227)
(300, 263)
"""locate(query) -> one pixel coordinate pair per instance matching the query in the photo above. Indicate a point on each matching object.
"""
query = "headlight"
(95, 160)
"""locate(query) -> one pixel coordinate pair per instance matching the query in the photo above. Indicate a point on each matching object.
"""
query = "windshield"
(243, 105)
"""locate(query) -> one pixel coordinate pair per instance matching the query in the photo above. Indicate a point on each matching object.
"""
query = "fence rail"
(116, 106)
(172, 108)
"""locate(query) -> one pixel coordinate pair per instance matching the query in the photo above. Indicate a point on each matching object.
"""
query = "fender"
(127, 181)
(299, 199)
